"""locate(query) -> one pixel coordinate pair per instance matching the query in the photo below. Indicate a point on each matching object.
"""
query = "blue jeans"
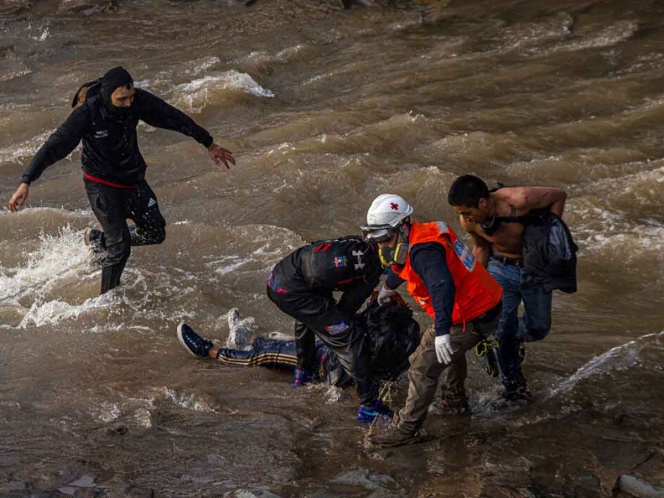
(534, 325)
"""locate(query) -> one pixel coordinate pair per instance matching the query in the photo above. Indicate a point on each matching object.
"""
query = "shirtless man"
(495, 221)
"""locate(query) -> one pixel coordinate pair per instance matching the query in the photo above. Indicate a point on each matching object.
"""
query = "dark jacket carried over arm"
(110, 143)
(549, 253)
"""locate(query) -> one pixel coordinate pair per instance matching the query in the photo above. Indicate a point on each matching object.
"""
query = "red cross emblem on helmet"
(394, 206)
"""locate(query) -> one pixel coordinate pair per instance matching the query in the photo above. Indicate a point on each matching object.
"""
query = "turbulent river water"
(325, 109)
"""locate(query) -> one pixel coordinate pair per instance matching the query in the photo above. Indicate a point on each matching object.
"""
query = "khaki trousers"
(425, 371)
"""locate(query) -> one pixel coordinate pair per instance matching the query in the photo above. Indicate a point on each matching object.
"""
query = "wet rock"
(636, 486)
(17, 485)
(384, 493)
(366, 479)
(245, 493)
(323, 493)
(12, 6)
(87, 7)
(6, 52)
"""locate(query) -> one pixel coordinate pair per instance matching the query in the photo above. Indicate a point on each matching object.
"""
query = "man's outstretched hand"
(220, 155)
(19, 197)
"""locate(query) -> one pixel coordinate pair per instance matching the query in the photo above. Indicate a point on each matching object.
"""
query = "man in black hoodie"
(113, 167)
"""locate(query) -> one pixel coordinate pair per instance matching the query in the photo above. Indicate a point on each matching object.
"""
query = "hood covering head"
(114, 78)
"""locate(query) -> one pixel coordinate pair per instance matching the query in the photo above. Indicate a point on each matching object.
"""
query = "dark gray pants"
(318, 316)
(113, 206)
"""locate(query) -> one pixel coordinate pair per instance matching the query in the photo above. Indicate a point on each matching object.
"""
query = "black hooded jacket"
(110, 143)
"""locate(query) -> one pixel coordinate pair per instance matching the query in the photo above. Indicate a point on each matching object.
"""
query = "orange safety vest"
(476, 292)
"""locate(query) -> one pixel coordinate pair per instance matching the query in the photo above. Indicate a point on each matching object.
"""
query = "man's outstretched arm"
(156, 112)
(58, 146)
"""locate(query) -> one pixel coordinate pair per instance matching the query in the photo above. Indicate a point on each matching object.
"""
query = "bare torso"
(505, 237)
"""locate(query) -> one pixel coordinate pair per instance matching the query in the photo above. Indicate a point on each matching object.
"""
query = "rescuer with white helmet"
(460, 296)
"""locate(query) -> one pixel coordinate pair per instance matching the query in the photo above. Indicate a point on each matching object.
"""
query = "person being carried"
(106, 114)
(495, 220)
(302, 286)
(392, 336)
(456, 292)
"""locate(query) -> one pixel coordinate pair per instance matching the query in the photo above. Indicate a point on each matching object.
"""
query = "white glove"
(444, 349)
(385, 295)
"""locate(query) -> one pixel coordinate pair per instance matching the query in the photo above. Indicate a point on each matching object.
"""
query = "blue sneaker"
(302, 377)
(192, 342)
(368, 413)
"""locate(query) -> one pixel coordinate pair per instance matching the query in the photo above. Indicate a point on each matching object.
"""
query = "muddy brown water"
(325, 109)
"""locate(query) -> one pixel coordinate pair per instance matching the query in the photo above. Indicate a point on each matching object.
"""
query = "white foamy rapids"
(331, 394)
(530, 35)
(284, 55)
(618, 358)
(58, 257)
(52, 312)
(194, 96)
(228, 264)
(139, 409)
(272, 243)
(609, 35)
(202, 65)
(604, 231)
(184, 400)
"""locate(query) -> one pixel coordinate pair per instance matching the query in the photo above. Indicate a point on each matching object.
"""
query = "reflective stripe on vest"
(476, 292)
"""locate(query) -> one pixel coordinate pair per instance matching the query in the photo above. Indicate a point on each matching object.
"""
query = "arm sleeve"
(428, 261)
(59, 145)
(393, 280)
(158, 113)
(354, 295)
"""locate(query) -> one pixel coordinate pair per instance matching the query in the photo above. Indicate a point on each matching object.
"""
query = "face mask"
(396, 256)
(121, 113)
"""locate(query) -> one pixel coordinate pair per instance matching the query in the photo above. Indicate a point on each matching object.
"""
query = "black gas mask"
(382, 233)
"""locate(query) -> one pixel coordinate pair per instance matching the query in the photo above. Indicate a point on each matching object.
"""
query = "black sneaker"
(94, 239)
(518, 394)
(192, 342)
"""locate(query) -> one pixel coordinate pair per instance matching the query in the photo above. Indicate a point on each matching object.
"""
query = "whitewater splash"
(59, 260)
(615, 359)
(194, 96)
(61, 256)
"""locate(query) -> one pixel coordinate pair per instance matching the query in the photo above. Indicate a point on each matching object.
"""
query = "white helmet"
(388, 209)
